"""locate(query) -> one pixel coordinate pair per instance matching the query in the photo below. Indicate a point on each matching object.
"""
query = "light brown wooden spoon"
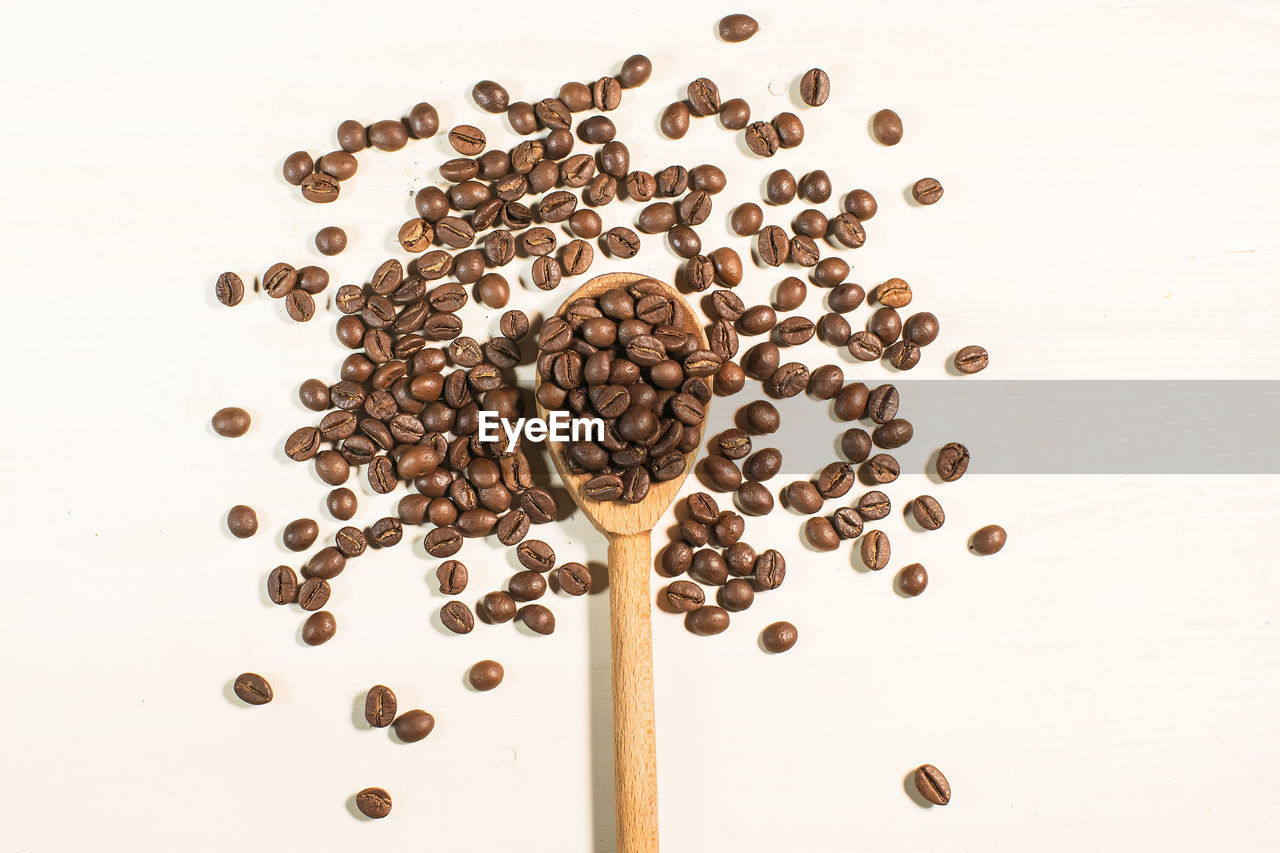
(629, 528)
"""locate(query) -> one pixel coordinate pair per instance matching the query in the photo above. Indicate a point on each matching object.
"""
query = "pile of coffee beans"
(405, 408)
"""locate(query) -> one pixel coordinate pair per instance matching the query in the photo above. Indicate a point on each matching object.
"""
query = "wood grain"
(629, 528)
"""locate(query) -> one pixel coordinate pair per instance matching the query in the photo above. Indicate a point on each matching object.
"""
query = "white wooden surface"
(1109, 681)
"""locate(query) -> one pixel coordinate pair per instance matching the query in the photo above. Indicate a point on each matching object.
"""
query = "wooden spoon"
(628, 528)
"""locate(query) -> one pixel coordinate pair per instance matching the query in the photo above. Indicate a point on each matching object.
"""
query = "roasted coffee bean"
(635, 71)
(815, 187)
(282, 585)
(527, 586)
(684, 596)
(754, 499)
(811, 223)
(988, 540)
(319, 628)
(886, 127)
(874, 550)
(300, 306)
(834, 329)
(879, 469)
(721, 474)
(740, 558)
(830, 272)
(780, 187)
(789, 295)
(735, 114)
(388, 135)
(423, 122)
(606, 94)
(676, 559)
(229, 289)
(553, 114)
(674, 122)
(920, 329)
(874, 506)
(815, 87)
(932, 785)
(314, 594)
(761, 417)
(788, 380)
(761, 361)
(882, 403)
(865, 346)
(763, 465)
(912, 580)
(836, 479)
(803, 497)
(301, 534)
(413, 726)
(971, 359)
(339, 164)
(789, 128)
(794, 331)
(252, 689)
(497, 607)
(737, 27)
(773, 246)
(443, 542)
(231, 422)
(893, 433)
(539, 505)
(928, 512)
(728, 528)
(695, 207)
(826, 381)
(894, 293)
(521, 117)
(320, 188)
(926, 191)
(297, 166)
(380, 706)
(457, 617)
(242, 521)
(352, 136)
(953, 461)
(490, 96)
(819, 533)
(576, 96)
(851, 402)
(574, 579)
(351, 541)
(341, 504)
(746, 219)
(708, 178)
(804, 251)
(779, 637)
(702, 508)
(704, 97)
(467, 140)
(708, 620)
(374, 803)
(452, 577)
(770, 570)
(538, 618)
(762, 138)
(903, 355)
(656, 217)
(845, 297)
(684, 241)
(846, 522)
(485, 675)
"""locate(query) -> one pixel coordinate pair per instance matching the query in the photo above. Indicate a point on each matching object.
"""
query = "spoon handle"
(634, 748)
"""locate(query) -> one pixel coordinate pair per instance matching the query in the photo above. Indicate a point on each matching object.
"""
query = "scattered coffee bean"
(374, 803)
(452, 576)
(953, 461)
(971, 359)
(874, 506)
(779, 637)
(319, 628)
(231, 422)
(380, 706)
(738, 27)
(242, 521)
(815, 87)
(913, 579)
(574, 579)
(736, 595)
(820, 534)
(988, 540)
(708, 620)
(485, 675)
(457, 617)
(497, 607)
(282, 585)
(229, 289)
(886, 127)
(413, 726)
(538, 618)
(674, 122)
(932, 785)
(874, 550)
(253, 689)
(926, 191)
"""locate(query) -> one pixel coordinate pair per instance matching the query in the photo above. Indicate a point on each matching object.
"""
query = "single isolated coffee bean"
(779, 637)
(413, 726)
(928, 512)
(815, 87)
(380, 706)
(988, 540)
(242, 521)
(737, 28)
(231, 422)
(926, 191)
(253, 689)
(485, 675)
(374, 803)
(932, 785)
(886, 127)
(229, 289)
(912, 580)
(636, 71)
(971, 359)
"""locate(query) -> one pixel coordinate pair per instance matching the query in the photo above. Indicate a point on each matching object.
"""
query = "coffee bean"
(846, 522)
(746, 219)
(229, 289)
(485, 675)
(882, 403)
(231, 422)
(757, 320)
(932, 785)
(893, 433)
(815, 186)
(779, 637)
(299, 535)
(297, 166)
(242, 521)
(702, 508)
(341, 504)
(413, 726)
(795, 331)
(721, 474)
(815, 87)
(879, 469)
(380, 706)
(953, 461)
(920, 329)
(847, 230)
(790, 294)
(788, 380)
(443, 542)
(927, 512)
(894, 293)
(874, 506)
(282, 585)
(423, 122)
(521, 117)
(886, 127)
(635, 71)
(388, 135)
(684, 596)
(780, 187)
(835, 330)
(452, 576)
(754, 499)
(737, 27)
(684, 241)
(803, 497)
(374, 803)
(326, 563)
(845, 297)
(903, 355)
(820, 534)
(773, 246)
(704, 97)
(761, 417)
(762, 139)
(490, 96)
(314, 594)
(319, 628)
(467, 140)
(728, 528)
(913, 579)
(708, 620)
(574, 578)
(971, 359)
(320, 188)
(836, 479)
(851, 403)
(338, 164)
(789, 128)
(497, 607)
(674, 122)
(988, 540)
(457, 617)
(253, 689)
(676, 558)
(874, 550)
(926, 191)
(538, 618)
